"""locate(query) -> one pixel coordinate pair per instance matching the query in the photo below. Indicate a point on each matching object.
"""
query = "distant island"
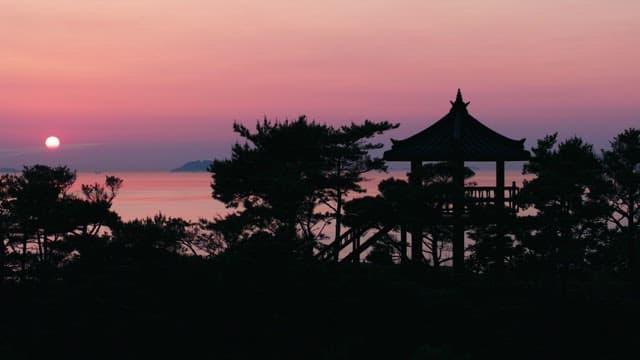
(194, 166)
(8, 170)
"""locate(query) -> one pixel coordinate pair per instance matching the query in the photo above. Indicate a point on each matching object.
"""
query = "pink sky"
(149, 84)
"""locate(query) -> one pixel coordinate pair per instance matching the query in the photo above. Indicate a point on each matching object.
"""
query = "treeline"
(584, 209)
(45, 227)
(292, 181)
(78, 281)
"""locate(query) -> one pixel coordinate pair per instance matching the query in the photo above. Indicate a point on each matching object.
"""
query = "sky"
(151, 84)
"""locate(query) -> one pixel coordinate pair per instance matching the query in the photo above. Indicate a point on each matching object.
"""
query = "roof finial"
(459, 100)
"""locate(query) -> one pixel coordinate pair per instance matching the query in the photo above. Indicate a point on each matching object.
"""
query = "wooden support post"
(500, 213)
(500, 184)
(458, 210)
(416, 245)
(415, 179)
(356, 248)
(512, 197)
(403, 244)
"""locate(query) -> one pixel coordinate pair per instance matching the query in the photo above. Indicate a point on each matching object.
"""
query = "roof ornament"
(458, 136)
(459, 100)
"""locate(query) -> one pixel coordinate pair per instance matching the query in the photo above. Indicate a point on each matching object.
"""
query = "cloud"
(19, 151)
(80, 145)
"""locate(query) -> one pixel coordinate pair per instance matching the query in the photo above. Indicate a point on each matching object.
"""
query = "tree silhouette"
(41, 215)
(567, 193)
(38, 196)
(6, 181)
(383, 252)
(401, 204)
(437, 181)
(172, 235)
(285, 170)
(494, 241)
(622, 168)
(99, 199)
(348, 160)
(274, 175)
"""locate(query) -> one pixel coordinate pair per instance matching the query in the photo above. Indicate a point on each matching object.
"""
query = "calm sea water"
(188, 195)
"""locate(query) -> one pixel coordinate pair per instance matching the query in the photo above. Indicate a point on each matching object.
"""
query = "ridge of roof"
(457, 135)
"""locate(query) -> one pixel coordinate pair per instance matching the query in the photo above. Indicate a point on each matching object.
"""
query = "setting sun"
(52, 142)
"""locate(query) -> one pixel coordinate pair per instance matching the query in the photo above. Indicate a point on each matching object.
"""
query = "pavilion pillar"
(500, 184)
(356, 249)
(415, 179)
(458, 212)
(500, 212)
(403, 244)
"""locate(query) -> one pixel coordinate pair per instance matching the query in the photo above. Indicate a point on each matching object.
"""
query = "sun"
(52, 142)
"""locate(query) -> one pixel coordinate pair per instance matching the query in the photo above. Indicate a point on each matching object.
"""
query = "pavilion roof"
(457, 136)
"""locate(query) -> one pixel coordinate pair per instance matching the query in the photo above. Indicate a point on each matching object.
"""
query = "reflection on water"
(188, 195)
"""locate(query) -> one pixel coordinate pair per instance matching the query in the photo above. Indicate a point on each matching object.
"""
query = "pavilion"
(456, 138)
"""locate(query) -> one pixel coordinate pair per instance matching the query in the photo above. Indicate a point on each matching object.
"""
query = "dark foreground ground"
(186, 308)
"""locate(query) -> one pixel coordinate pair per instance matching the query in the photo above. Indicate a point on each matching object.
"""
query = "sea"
(189, 195)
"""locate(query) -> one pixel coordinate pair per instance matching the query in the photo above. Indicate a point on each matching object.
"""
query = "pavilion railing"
(475, 196)
(333, 249)
(487, 195)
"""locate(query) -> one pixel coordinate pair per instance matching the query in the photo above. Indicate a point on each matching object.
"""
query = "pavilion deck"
(476, 197)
